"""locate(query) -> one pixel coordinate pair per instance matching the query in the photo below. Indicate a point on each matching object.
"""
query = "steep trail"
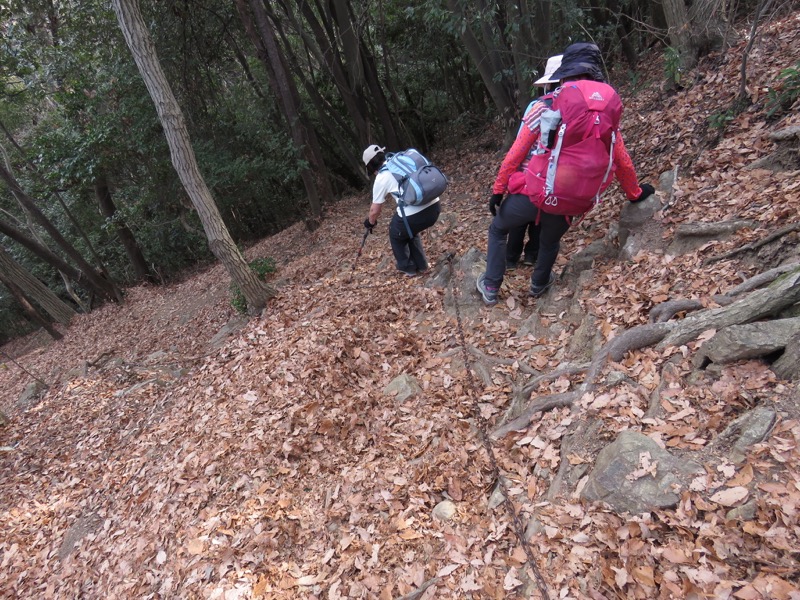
(276, 466)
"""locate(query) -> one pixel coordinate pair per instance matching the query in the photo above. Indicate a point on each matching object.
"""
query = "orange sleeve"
(625, 172)
(516, 155)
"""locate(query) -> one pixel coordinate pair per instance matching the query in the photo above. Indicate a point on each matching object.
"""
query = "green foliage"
(721, 119)
(262, 267)
(782, 97)
(635, 82)
(672, 66)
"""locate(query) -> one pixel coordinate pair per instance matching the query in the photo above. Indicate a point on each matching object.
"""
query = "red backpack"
(573, 162)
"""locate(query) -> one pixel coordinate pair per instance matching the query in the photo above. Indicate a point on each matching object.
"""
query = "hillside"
(166, 461)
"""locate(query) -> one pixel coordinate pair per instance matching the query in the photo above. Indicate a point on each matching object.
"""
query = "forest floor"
(164, 461)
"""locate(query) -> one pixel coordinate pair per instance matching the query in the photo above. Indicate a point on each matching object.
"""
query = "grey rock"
(612, 480)
(32, 392)
(634, 215)
(750, 428)
(231, 327)
(444, 511)
(402, 388)
(745, 512)
(749, 340)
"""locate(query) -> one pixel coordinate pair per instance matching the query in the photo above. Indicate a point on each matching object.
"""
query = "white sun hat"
(552, 66)
(371, 152)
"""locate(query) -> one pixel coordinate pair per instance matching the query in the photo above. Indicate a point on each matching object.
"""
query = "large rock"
(618, 479)
(691, 236)
(788, 365)
(31, 394)
(749, 340)
(635, 215)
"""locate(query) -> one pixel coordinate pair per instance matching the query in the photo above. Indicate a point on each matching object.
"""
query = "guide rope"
(487, 445)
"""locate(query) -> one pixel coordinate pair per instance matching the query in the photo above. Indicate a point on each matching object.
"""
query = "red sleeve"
(625, 172)
(516, 155)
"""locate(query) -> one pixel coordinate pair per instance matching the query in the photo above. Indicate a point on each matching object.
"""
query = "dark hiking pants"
(408, 252)
(515, 211)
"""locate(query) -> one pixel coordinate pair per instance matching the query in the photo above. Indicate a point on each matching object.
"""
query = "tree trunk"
(34, 289)
(78, 228)
(255, 291)
(28, 308)
(284, 88)
(106, 287)
(499, 93)
(680, 32)
(125, 235)
(48, 256)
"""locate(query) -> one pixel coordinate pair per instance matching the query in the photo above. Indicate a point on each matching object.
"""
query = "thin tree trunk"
(48, 256)
(255, 291)
(28, 308)
(34, 289)
(286, 93)
(106, 287)
(125, 235)
(80, 230)
(503, 101)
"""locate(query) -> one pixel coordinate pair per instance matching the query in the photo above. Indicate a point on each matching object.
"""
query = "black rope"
(487, 445)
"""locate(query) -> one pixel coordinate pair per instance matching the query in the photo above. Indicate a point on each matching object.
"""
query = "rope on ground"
(487, 445)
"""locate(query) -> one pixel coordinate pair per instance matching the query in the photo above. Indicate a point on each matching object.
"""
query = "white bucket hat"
(552, 66)
(371, 152)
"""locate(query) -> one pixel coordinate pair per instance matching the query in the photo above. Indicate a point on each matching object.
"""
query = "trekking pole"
(367, 231)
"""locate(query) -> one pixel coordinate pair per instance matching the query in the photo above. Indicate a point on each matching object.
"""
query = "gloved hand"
(647, 190)
(369, 225)
(494, 202)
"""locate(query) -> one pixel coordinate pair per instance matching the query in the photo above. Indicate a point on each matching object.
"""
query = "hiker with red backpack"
(516, 246)
(574, 149)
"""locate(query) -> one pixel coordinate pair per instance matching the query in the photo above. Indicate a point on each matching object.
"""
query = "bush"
(783, 97)
(262, 267)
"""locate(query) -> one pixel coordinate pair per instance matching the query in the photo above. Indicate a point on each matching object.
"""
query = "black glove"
(369, 225)
(647, 190)
(494, 202)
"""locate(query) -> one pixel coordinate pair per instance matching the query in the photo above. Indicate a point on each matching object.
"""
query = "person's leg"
(516, 238)
(515, 211)
(419, 222)
(532, 245)
(551, 229)
(398, 239)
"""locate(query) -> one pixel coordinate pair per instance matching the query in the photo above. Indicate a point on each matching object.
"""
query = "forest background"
(276, 101)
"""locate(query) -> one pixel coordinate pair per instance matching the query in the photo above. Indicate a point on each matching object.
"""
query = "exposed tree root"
(754, 245)
(663, 312)
(758, 304)
(542, 404)
(523, 366)
(421, 589)
(755, 282)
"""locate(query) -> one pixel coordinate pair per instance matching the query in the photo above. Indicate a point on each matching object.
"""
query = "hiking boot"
(489, 294)
(511, 265)
(408, 273)
(529, 261)
(539, 290)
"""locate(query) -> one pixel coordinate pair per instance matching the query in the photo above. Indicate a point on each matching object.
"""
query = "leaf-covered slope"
(275, 466)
